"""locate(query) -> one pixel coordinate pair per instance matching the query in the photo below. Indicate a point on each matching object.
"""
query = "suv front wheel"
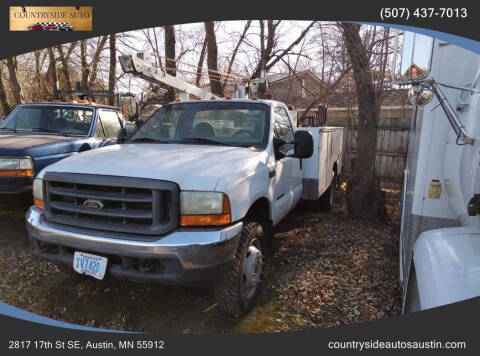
(237, 291)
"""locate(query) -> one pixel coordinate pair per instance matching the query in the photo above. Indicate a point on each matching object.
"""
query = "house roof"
(278, 77)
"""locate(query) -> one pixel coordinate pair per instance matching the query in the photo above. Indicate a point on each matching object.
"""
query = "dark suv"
(35, 135)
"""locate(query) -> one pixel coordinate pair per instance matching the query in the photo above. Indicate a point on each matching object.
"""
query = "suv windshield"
(62, 120)
(215, 123)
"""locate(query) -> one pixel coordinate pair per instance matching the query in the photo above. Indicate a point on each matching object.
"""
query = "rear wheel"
(237, 291)
(327, 200)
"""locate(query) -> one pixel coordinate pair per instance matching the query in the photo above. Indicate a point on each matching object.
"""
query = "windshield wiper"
(41, 129)
(8, 129)
(148, 139)
(205, 141)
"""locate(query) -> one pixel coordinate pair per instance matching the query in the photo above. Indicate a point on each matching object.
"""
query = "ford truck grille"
(111, 203)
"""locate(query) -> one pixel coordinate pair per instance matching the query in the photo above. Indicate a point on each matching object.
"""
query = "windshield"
(221, 123)
(52, 119)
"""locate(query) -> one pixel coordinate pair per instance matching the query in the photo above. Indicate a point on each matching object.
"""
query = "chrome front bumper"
(194, 249)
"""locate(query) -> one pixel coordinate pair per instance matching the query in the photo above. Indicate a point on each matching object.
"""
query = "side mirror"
(416, 58)
(303, 142)
(419, 95)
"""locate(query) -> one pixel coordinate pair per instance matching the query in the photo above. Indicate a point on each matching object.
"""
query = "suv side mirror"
(303, 143)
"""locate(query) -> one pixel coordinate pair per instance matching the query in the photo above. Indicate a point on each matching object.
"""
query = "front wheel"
(237, 291)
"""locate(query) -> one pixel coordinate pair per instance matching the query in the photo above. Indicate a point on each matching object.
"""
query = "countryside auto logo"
(50, 18)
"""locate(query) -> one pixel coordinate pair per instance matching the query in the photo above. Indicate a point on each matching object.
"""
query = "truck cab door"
(283, 171)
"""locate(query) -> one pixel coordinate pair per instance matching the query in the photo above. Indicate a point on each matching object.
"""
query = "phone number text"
(423, 12)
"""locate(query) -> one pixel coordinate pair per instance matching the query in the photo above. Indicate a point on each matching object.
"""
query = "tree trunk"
(201, 59)
(39, 80)
(95, 61)
(84, 65)
(66, 81)
(15, 86)
(265, 48)
(365, 199)
(51, 71)
(170, 66)
(212, 54)
(113, 67)
(3, 94)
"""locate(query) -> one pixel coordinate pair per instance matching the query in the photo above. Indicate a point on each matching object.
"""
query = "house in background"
(296, 89)
(299, 90)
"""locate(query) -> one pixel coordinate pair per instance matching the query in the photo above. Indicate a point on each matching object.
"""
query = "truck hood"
(15, 143)
(195, 167)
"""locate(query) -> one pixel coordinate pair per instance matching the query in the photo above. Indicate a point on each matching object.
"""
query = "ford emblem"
(93, 204)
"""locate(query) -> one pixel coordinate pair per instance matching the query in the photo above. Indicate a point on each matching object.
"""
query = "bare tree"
(85, 68)
(113, 66)
(3, 94)
(52, 70)
(95, 61)
(153, 42)
(212, 59)
(364, 196)
(332, 62)
(201, 59)
(39, 79)
(234, 53)
(270, 55)
(66, 82)
(15, 87)
(170, 62)
(266, 44)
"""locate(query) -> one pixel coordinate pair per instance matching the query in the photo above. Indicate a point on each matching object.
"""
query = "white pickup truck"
(192, 197)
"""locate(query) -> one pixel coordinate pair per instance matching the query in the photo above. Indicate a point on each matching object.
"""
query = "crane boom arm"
(140, 68)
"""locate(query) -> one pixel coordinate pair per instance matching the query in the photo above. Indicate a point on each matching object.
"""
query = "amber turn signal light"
(38, 203)
(16, 173)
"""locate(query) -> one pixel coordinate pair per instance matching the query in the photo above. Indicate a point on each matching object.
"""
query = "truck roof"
(71, 103)
(263, 101)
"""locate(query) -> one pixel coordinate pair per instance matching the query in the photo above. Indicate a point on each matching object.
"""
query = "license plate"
(91, 265)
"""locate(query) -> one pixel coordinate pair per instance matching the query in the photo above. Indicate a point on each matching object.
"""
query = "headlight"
(38, 192)
(204, 209)
(16, 167)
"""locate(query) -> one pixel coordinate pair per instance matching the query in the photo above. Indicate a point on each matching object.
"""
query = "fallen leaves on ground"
(327, 270)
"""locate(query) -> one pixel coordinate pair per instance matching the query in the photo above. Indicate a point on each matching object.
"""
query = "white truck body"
(327, 152)
(84, 195)
(440, 240)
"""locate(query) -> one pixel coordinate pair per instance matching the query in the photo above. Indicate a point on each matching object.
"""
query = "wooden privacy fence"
(392, 141)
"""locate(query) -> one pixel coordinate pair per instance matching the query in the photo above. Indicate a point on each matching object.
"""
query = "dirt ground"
(327, 270)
